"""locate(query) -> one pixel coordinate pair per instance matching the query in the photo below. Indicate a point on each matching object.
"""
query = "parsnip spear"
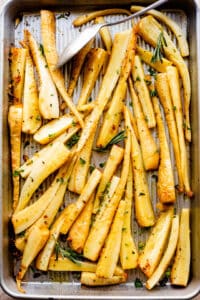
(17, 68)
(35, 243)
(77, 63)
(181, 266)
(107, 86)
(150, 153)
(31, 114)
(49, 162)
(114, 159)
(146, 56)
(143, 93)
(15, 125)
(174, 85)
(101, 226)
(54, 128)
(143, 206)
(66, 219)
(110, 253)
(150, 30)
(162, 88)
(80, 229)
(91, 279)
(95, 60)
(128, 250)
(48, 97)
(165, 183)
(48, 30)
(155, 245)
(105, 33)
(168, 255)
(182, 42)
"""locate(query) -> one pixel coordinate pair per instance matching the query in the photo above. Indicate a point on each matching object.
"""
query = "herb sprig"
(158, 52)
(68, 253)
(115, 140)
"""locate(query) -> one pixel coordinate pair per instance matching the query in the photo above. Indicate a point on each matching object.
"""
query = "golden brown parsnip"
(105, 33)
(91, 279)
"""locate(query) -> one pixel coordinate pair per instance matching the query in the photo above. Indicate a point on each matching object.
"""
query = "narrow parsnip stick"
(77, 64)
(15, 126)
(162, 88)
(105, 33)
(181, 266)
(91, 279)
(114, 159)
(17, 68)
(49, 162)
(48, 30)
(86, 18)
(150, 153)
(48, 97)
(174, 85)
(128, 250)
(155, 245)
(110, 253)
(143, 93)
(165, 183)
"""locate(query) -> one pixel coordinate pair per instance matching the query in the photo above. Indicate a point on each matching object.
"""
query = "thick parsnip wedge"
(162, 88)
(15, 126)
(17, 68)
(128, 250)
(35, 243)
(54, 158)
(113, 115)
(101, 225)
(104, 33)
(48, 30)
(150, 153)
(143, 207)
(181, 266)
(155, 245)
(79, 174)
(165, 183)
(31, 114)
(48, 97)
(150, 30)
(86, 18)
(77, 63)
(80, 229)
(114, 159)
(175, 28)
(174, 85)
(143, 92)
(26, 168)
(146, 56)
(108, 84)
(168, 255)
(66, 219)
(91, 279)
(110, 253)
(95, 60)
(54, 128)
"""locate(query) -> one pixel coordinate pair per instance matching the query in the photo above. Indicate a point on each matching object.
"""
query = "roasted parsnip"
(15, 126)
(155, 245)
(150, 153)
(105, 33)
(181, 266)
(91, 279)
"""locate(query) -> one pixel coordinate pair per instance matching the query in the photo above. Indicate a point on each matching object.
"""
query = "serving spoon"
(85, 36)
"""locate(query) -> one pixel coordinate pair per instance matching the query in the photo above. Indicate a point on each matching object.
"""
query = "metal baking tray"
(63, 285)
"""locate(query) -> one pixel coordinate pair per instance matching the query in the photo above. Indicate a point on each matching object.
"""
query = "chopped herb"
(124, 229)
(115, 140)
(61, 180)
(146, 119)
(117, 72)
(174, 107)
(168, 272)
(28, 163)
(130, 104)
(69, 253)
(138, 78)
(90, 99)
(73, 140)
(21, 234)
(189, 128)
(158, 52)
(50, 135)
(101, 165)
(141, 194)
(163, 281)
(82, 161)
(148, 82)
(91, 168)
(105, 192)
(153, 93)
(41, 48)
(51, 96)
(141, 245)
(17, 172)
(138, 283)
(74, 123)
(64, 16)
(152, 72)
(38, 118)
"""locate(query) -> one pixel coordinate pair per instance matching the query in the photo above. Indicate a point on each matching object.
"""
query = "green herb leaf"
(101, 165)
(41, 48)
(17, 173)
(141, 245)
(115, 140)
(68, 252)
(82, 161)
(74, 139)
(91, 168)
(152, 72)
(138, 283)
(153, 93)
(159, 50)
